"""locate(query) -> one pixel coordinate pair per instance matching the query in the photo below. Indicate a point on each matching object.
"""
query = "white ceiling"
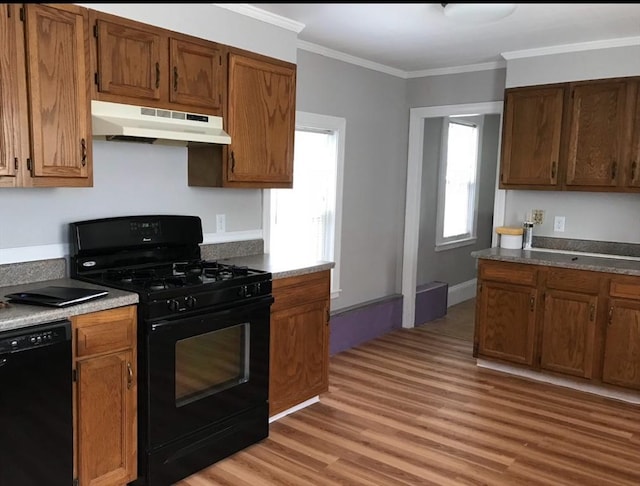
(415, 37)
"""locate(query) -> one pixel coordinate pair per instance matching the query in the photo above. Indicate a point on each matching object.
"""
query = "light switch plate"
(558, 224)
(221, 223)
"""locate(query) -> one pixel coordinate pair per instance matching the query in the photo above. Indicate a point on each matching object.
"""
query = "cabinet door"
(506, 321)
(622, 345)
(59, 104)
(197, 74)
(261, 122)
(596, 133)
(568, 332)
(106, 419)
(531, 136)
(299, 357)
(130, 60)
(13, 96)
(634, 158)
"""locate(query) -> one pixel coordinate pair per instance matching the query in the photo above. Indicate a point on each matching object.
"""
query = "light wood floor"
(412, 408)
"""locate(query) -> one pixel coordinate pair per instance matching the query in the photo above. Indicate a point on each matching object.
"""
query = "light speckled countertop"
(567, 259)
(22, 315)
(280, 266)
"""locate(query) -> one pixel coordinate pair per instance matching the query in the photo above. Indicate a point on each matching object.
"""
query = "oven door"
(205, 368)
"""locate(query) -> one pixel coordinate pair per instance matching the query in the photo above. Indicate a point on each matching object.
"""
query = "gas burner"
(163, 283)
(129, 275)
(188, 268)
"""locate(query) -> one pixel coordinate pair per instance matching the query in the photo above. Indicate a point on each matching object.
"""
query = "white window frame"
(313, 121)
(469, 238)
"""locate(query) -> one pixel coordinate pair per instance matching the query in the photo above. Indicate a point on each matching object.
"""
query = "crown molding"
(341, 56)
(577, 47)
(263, 15)
(485, 66)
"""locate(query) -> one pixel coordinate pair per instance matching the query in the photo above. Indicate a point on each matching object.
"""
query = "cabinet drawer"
(105, 331)
(302, 289)
(625, 287)
(516, 273)
(574, 280)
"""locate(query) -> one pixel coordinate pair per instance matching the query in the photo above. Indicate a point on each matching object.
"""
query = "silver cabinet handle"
(3, 361)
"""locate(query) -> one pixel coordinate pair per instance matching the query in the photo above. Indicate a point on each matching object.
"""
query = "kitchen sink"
(584, 253)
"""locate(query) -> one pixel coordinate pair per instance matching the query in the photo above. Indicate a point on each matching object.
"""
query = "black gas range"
(203, 339)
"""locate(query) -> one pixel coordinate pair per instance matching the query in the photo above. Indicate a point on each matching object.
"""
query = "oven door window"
(210, 363)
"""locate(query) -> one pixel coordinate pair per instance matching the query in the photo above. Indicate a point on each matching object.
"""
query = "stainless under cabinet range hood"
(117, 121)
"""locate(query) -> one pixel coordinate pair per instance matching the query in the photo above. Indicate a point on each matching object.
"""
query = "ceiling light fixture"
(478, 12)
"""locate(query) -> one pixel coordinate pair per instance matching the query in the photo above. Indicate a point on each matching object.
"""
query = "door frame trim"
(413, 193)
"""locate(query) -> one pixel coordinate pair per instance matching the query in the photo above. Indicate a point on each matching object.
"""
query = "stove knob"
(190, 301)
(242, 291)
(174, 305)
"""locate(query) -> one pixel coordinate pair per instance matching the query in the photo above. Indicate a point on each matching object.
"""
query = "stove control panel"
(205, 299)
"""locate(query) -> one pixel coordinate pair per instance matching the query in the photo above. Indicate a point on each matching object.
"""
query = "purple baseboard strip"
(431, 302)
(355, 325)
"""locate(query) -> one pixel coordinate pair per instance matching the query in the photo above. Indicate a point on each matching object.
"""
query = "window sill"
(456, 244)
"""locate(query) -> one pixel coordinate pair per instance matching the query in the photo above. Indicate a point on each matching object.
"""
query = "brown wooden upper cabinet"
(137, 63)
(261, 121)
(579, 136)
(531, 137)
(45, 126)
(597, 138)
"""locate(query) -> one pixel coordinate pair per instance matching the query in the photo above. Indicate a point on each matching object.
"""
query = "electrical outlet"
(558, 223)
(220, 223)
(537, 215)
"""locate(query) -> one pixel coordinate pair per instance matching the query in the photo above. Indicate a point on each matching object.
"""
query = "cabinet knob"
(614, 169)
(157, 75)
(553, 170)
(175, 78)
(634, 164)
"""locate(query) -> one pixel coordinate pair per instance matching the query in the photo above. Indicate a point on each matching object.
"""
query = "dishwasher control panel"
(29, 338)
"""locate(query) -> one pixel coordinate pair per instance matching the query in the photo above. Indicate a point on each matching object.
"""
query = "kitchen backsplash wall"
(129, 178)
(588, 215)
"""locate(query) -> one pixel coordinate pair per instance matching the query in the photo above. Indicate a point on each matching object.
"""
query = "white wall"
(589, 215)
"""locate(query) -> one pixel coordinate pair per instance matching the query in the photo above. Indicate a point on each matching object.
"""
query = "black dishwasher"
(36, 421)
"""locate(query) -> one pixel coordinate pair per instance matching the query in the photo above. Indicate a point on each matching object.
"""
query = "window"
(457, 194)
(304, 222)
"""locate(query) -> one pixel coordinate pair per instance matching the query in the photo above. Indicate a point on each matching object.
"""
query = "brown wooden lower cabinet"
(568, 331)
(587, 324)
(622, 344)
(104, 345)
(299, 343)
(506, 321)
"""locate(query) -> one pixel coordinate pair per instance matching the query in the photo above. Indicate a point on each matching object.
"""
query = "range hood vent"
(118, 121)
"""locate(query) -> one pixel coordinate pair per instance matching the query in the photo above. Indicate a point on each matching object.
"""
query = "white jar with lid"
(510, 237)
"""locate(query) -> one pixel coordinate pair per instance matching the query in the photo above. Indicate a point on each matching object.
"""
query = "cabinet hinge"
(74, 375)
(29, 167)
(15, 163)
(9, 10)
(22, 14)
(95, 31)
(475, 349)
(220, 60)
(96, 78)
(76, 482)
